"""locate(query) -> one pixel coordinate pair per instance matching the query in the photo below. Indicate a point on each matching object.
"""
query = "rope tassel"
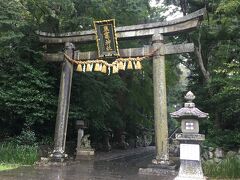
(130, 66)
(97, 67)
(121, 66)
(138, 65)
(104, 69)
(115, 69)
(79, 68)
(88, 68)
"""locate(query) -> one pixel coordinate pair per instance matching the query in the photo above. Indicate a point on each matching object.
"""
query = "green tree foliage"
(12, 21)
(215, 68)
(26, 91)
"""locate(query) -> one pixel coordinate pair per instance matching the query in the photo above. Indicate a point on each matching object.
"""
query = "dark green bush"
(228, 139)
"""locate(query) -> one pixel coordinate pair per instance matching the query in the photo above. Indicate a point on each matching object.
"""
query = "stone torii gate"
(155, 30)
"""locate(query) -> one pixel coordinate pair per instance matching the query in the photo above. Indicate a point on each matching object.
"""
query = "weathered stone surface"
(63, 108)
(190, 160)
(205, 155)
(174, 149)
(84, 149)
(43, 162)
(190, 170)
(178, 48)
(124, 53)
(123, 144)
(160, 101)
(53, 57)
(189, 112)
(210, 154)
(190, 137)
(195, 124)
(159, 169)
(107, 136)
(85, 154)
(186, 23)
(79, 137)
(219, 153)
(231, 154)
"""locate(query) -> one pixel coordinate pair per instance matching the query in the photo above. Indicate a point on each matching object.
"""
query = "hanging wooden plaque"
(106, 38)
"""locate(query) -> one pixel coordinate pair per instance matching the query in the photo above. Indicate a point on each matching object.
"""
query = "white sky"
(168, 13)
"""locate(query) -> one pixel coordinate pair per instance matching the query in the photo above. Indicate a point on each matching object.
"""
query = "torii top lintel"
(185, 23)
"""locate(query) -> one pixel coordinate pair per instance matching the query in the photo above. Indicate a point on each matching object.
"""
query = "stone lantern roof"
(189, 110)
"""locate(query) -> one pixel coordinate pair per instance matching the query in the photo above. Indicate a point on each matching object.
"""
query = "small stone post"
(144, 136)
(190, 167)
(123, 144)
(107, 137)
(80, 126)
(58, 154)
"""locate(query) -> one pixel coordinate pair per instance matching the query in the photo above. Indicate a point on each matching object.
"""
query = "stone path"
(118, 165)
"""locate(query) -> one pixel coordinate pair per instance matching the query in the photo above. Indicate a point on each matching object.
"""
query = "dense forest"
(29, 86)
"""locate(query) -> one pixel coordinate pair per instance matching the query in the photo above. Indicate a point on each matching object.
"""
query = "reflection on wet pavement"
(124, 169)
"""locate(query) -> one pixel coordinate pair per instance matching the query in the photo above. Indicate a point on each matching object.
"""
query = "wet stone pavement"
(119, 167)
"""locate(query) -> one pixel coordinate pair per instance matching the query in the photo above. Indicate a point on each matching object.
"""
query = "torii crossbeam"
(155, 30)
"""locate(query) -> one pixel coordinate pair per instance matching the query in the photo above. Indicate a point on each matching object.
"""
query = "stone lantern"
(189, 115)
(84, 149)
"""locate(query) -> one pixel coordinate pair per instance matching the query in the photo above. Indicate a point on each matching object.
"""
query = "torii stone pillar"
(160, 101)
(63, 107)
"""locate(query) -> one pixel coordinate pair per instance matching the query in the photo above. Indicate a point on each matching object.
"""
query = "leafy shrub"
(227, 168)
(27, 137)
(18, 154)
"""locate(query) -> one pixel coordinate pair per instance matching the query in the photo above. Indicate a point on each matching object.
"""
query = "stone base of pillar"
(190, 169)
(189, 178)
(85, 154)
(58, 156)
(159, 169)
(46, 162)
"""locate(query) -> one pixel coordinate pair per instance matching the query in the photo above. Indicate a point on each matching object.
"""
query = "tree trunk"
(198, 52)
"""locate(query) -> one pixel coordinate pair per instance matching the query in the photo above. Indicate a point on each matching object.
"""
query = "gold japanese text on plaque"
(106, 38)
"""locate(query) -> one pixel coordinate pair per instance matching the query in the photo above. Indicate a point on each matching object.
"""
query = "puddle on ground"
(124, 169)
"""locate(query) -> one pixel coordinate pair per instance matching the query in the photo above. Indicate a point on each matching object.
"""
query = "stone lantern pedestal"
(190, 139)
(190, 167)
(84, 149)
